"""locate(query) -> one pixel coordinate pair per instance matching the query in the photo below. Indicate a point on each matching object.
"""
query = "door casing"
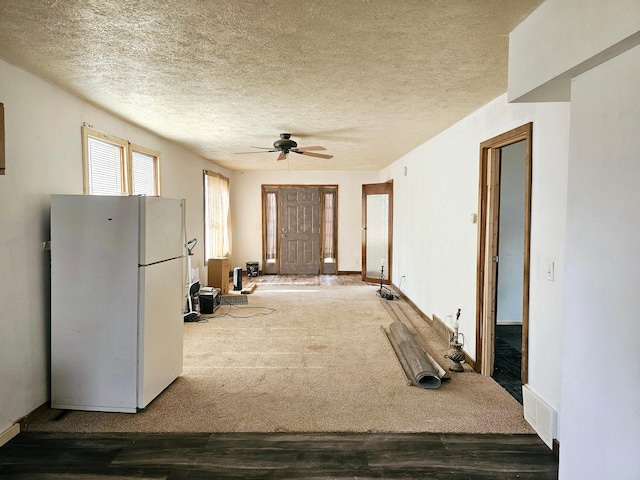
(377, 189)
(277, 190)
(488, 219)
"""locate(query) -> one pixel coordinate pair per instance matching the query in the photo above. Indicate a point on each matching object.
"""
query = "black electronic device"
(209, 300)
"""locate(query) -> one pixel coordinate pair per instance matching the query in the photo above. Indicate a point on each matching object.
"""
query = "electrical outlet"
(357, 260)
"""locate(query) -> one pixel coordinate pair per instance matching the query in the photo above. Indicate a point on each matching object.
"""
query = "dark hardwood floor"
(276, 455)
(508, 359)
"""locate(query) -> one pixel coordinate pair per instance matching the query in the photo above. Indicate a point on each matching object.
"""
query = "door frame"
(486, 280)
(376, 189)
(275, 189)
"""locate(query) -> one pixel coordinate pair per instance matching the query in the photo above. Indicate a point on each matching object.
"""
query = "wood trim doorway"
(379, 196)
(488, 228)
(305, 216)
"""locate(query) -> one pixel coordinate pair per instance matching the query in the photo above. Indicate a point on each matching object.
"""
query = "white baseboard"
(9, 433)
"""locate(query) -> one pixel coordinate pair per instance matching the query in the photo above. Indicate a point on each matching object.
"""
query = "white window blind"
(105, 167)
(143, 171)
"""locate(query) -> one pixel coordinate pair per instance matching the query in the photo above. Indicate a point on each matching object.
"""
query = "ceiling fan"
(285, 145)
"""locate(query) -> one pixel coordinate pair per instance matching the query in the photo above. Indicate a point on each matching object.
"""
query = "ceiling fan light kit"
(285, 143)
(285, 146)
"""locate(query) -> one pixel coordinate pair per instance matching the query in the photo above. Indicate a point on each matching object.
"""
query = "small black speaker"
(237, 278)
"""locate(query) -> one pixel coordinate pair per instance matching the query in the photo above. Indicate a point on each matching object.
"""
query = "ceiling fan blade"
(247, 153)
(282, 156)
(306, 149)
(310, 154)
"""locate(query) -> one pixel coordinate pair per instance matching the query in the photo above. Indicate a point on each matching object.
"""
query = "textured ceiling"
(368, 79)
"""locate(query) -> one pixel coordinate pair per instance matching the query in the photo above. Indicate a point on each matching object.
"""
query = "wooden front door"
(300, 230)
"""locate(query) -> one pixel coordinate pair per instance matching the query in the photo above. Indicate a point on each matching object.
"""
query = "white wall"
(564, 38)
(601, 361)
(44, 156)
(595, 44)
(435, 243)
(246, 209)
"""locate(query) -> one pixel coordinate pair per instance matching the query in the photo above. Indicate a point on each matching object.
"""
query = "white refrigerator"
(116, 300)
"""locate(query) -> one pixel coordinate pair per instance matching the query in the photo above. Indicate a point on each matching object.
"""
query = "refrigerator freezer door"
(94, 302)
(161, 232)
(161, 328)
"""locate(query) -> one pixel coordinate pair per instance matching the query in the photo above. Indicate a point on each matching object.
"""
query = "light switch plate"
(550, 272)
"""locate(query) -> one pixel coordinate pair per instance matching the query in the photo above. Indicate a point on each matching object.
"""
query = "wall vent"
(540, 415)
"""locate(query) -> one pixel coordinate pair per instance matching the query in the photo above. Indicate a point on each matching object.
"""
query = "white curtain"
(329, 215)
(217, 235)
(272, 223)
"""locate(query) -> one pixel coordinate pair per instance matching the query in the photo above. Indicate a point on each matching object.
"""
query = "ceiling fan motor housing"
(285, 143)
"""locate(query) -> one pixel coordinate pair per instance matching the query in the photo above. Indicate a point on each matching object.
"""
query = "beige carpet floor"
(306, 359)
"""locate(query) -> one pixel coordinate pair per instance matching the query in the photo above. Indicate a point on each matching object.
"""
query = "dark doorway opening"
(504, 221)
(508, 359)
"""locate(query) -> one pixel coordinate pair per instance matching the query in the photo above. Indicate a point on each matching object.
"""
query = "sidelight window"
(329, 225)
(271, 212)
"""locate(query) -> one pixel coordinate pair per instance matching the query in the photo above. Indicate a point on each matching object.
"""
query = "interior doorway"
(377, 232)
(504, 220)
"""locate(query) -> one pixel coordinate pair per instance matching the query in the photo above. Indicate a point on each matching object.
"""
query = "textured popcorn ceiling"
(368, 79)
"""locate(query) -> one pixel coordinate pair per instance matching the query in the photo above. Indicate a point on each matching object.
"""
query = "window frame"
(270, 266)
(156, 165)
(324, 192)
(126, 160)
(2, 151)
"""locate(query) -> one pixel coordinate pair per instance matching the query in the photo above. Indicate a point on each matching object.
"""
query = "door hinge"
(495, 259)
